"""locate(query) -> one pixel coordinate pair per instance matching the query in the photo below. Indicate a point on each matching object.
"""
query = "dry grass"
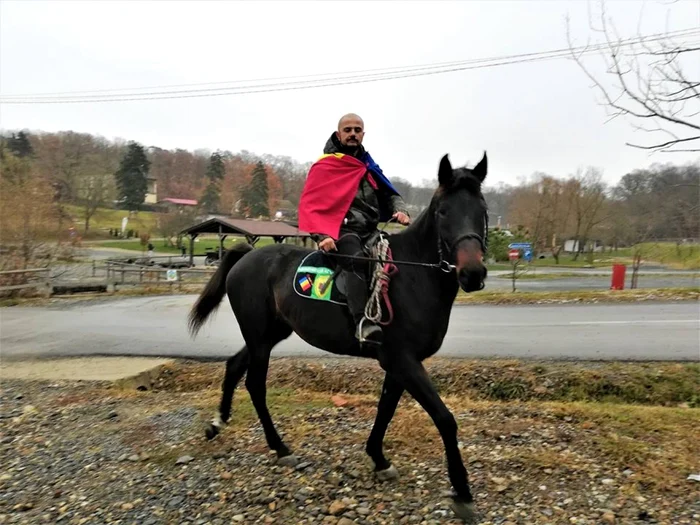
(664, 384)
(657, 443)
(582, 296)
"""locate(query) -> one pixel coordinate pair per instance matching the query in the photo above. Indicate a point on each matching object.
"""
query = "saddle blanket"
(313, 272)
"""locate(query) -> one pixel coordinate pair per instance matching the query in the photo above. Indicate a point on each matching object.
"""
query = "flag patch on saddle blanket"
(311, 276)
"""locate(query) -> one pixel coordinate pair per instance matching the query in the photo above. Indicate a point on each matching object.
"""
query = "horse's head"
(462, 221)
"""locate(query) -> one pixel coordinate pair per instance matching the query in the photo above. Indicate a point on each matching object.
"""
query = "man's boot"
(368, 332)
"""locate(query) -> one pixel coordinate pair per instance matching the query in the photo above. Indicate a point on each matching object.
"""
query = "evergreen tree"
(20, 145)
(256, 193)
(215, 174)
(132, 176)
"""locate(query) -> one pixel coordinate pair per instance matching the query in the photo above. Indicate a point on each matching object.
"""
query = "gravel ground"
(91, 453)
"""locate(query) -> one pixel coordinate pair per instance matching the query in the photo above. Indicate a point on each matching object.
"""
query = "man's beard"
(350, 149)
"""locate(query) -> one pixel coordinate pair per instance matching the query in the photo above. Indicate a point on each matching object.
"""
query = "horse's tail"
(214, 291)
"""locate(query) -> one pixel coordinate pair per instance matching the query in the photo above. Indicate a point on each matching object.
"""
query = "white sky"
(530, 117)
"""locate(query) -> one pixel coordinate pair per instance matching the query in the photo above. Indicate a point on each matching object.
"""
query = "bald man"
(345, 197)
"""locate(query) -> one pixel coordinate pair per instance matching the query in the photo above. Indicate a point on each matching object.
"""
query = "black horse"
(449, 238)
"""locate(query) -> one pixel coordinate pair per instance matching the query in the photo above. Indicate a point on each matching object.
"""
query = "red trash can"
(618, 277)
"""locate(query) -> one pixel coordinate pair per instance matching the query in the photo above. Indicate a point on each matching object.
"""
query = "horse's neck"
(419, 242)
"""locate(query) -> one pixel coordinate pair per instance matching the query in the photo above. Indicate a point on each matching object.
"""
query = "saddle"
(316, 269)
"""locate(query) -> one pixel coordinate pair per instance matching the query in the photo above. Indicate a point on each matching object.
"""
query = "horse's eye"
(442, 213)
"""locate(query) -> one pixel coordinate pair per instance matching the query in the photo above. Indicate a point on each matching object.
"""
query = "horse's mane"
(464, 178)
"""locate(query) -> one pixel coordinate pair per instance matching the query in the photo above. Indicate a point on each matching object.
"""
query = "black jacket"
(363, 216)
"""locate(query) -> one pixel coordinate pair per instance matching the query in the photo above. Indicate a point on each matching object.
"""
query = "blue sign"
(520, 246)
(528, 255)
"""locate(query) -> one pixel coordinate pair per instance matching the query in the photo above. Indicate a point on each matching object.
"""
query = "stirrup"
(376, 335)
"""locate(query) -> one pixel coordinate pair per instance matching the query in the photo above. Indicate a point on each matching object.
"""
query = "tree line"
(657, 202)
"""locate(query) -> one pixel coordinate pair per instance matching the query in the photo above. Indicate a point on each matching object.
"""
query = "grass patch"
(529, 410)
(106, 218)
(568, 275)
(580, 296)
(552, 276)
(659, 384)
(686, 256)
(646, 439)
(680, 256)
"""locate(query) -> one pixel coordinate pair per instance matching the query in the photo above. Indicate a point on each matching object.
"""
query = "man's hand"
(327, 245)
(402, 218)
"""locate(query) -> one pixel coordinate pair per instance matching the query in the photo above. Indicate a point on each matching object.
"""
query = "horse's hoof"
(288, 461)
(211, 431)
(388, 474)
(465, 511)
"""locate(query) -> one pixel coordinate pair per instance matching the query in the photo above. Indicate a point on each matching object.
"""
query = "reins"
(442, 265)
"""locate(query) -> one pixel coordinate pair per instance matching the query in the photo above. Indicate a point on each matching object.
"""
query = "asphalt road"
(151, 326)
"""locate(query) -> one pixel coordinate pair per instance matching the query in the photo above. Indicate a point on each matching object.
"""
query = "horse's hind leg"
(236, 366)
(256, 385)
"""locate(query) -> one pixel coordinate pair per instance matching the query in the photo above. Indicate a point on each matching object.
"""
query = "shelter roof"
(245, 227)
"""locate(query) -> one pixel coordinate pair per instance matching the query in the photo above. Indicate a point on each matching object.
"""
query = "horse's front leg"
(389, 400)
(413, 376)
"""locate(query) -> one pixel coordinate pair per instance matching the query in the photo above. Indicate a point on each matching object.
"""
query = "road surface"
(156, 326)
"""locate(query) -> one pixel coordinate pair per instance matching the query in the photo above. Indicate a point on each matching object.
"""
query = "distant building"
(572, 246)
(175, 204)
(151, 191)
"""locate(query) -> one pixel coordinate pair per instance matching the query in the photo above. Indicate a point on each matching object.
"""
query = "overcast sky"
(539, 116)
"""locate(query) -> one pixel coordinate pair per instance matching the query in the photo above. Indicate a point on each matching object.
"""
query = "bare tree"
(92, 190)
(170, 225)
(27, 213)
(649, 84)
(586, 195)
(517, 271)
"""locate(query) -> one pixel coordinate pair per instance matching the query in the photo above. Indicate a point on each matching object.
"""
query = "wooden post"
(221, 244)
(48, 283)
(192, 236)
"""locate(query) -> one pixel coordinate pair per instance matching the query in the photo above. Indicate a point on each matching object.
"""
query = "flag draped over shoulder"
(330, 188)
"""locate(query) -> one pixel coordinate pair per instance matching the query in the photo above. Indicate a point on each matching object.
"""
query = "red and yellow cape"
(329, 190)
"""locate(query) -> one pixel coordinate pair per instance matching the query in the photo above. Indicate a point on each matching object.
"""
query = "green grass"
(567, 261)
(106, 218)
(683, 257)
(568, 275)
(676, 256)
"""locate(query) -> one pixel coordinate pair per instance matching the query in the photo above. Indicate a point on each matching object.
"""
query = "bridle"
(483, 241)
(443, 263)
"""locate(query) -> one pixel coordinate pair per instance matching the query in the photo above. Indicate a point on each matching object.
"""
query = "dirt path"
(105, 454)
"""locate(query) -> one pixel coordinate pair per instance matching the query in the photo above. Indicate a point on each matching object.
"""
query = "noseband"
(484, 242)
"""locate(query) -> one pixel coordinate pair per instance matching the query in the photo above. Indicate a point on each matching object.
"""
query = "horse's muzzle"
(471, 271)
(472, 280)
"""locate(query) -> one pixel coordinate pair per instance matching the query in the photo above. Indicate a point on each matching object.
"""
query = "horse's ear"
(481, 168)
(445, 173)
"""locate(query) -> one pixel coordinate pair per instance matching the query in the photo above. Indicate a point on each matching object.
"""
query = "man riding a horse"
(345, 197)
(441, 252)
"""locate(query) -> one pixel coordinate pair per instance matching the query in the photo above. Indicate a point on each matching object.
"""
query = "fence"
(125, 274)
(30, 278)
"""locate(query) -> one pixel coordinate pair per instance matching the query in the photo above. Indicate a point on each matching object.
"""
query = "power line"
(395, 69)
(308, 82)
